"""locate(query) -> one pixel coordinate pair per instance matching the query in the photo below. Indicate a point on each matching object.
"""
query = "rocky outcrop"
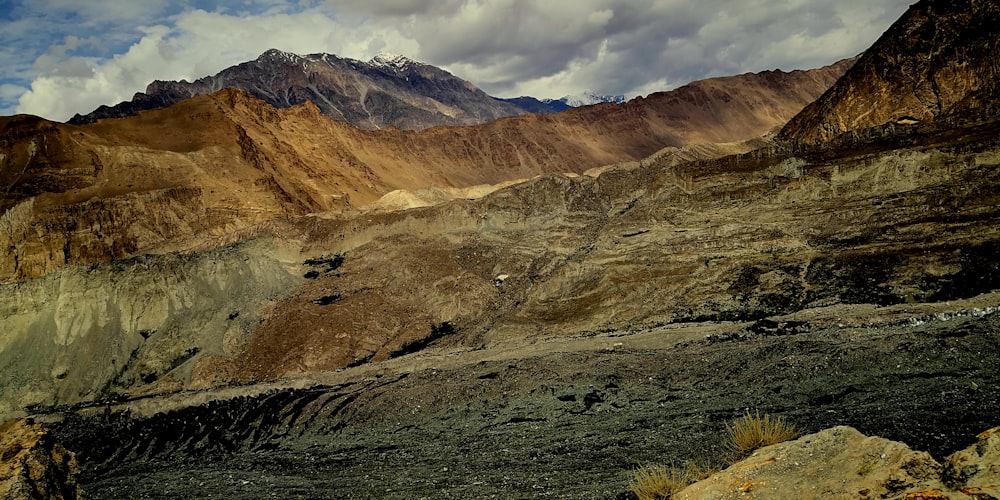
(938, 61)
(33, 465)
(843, 463)
(976, 469)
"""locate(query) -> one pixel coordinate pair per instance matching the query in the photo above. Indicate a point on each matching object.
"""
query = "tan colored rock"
(976, 470)
(835, 463)
(842, 463)
(33, 465)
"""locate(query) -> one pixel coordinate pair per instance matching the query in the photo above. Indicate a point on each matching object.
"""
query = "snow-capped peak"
(587, 97)
(280, 54)
(387, 60)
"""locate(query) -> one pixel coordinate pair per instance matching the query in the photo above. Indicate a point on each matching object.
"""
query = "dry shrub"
(656, 482)
(753, 431)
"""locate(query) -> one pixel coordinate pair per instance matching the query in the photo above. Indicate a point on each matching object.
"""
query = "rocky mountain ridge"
(938, 62)
(221, 163)
(387, 91)
(587, 98)
(533, 105)
(548, 105)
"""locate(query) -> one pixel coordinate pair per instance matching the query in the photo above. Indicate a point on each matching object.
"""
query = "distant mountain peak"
(390, 90)
(280, 55)
(587, 98)
(388, 60)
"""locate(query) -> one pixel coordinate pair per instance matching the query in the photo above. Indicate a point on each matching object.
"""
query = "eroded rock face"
(592, 255)
(33, 465)
(88, 334)
(938, 61)
(843, 463)
(739, 238)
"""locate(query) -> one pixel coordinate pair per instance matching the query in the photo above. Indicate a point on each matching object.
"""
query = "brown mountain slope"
(941, 59)
(642, 248)
(169, 178)
(737, 238)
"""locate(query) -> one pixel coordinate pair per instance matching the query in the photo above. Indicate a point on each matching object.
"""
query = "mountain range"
(533, 105)
(245, 162)
(226, 297)
(387, 91)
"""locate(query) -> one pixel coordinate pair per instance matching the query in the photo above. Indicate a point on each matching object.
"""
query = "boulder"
(843, 463)
(33, 465)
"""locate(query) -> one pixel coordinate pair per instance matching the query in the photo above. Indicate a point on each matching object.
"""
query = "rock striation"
(33, 465)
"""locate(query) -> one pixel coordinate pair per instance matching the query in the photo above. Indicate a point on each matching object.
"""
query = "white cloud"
(199, 44)
(507, 47)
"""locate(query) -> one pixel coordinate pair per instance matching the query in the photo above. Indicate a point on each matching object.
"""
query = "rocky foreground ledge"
(843, 463)
(34, 465)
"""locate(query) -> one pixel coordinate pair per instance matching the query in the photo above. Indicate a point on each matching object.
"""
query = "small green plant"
(753, 431)
(867, 465)
(657, 482)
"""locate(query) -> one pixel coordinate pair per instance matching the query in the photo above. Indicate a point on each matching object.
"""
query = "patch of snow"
(587, 98)
(975, 312)
(390, 61)
(282, 55)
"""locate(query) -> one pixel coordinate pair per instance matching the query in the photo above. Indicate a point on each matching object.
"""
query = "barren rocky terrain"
(178, 178)
(495, 348)
(196, 303)
(561, 417)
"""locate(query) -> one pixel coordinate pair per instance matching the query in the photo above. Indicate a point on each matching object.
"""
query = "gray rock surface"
(561, 417)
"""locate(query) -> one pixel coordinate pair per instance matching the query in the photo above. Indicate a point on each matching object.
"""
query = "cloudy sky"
(60, 57)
